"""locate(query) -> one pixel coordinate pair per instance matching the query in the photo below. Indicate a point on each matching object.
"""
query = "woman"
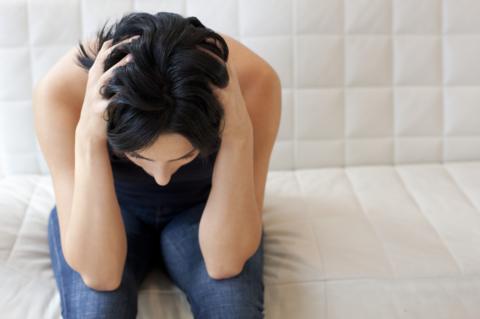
(171, 153)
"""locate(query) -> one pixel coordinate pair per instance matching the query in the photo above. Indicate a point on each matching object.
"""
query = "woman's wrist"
(239, 138)
(91, 130)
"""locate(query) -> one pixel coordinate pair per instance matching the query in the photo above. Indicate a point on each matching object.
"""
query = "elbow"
(100, 285)
(102, 282)
(226, 266)
(96, 281)
(223, 271)
(220, 266)
(104, 279)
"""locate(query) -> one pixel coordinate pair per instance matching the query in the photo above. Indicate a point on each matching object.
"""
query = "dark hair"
(166, 88)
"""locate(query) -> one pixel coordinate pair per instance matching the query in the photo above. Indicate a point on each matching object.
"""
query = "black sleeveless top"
(189, 185)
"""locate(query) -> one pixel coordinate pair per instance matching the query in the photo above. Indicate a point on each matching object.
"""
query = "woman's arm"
(231, 225)
(91, 230)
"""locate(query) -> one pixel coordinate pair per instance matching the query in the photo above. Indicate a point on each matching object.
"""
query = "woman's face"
(164, 157)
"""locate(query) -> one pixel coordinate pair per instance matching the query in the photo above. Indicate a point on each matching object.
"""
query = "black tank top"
(189, 185)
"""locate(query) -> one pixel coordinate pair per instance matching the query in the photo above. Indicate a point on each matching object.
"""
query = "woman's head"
(166, 90)
(162, 159)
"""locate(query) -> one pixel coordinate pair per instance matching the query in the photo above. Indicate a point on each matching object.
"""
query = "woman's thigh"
(241, 296)
(80, 301)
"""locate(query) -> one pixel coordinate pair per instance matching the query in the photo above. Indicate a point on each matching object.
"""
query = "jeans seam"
(58, 263)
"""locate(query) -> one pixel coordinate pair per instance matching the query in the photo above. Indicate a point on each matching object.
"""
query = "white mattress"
(361, 242)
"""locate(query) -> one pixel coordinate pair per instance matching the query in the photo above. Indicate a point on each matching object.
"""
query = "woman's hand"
(237, 120)
(91, 122)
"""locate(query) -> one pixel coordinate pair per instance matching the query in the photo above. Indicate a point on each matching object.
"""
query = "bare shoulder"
(258, 81)
(248, 64)
(66, 79)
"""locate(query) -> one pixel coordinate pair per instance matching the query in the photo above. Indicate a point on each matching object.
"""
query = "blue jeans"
(171, 238)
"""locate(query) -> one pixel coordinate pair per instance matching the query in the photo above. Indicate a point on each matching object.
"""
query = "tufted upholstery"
(372, 206)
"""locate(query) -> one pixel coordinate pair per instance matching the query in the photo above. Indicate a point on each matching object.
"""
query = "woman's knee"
(229, 298)
(240, 296)
(82, 301)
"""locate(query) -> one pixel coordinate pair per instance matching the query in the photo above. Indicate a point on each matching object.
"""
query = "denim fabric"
(170, 238)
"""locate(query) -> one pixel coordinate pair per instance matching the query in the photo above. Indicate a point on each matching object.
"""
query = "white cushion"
(362, 242)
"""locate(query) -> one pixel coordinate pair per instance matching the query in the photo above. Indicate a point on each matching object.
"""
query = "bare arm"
(91, 228)
(96, 239)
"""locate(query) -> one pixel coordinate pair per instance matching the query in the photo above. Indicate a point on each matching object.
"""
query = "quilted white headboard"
(364, 81)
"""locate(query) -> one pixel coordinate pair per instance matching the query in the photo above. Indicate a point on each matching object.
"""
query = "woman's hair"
(166, 88)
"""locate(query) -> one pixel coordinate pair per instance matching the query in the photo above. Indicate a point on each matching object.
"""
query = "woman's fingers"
(105, 50)
(106, 75)
(109, 47)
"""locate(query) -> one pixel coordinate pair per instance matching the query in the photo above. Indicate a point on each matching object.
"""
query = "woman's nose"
(162, 179)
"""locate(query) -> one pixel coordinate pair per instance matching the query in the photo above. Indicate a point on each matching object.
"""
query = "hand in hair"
(237, 120)
(91, 120)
